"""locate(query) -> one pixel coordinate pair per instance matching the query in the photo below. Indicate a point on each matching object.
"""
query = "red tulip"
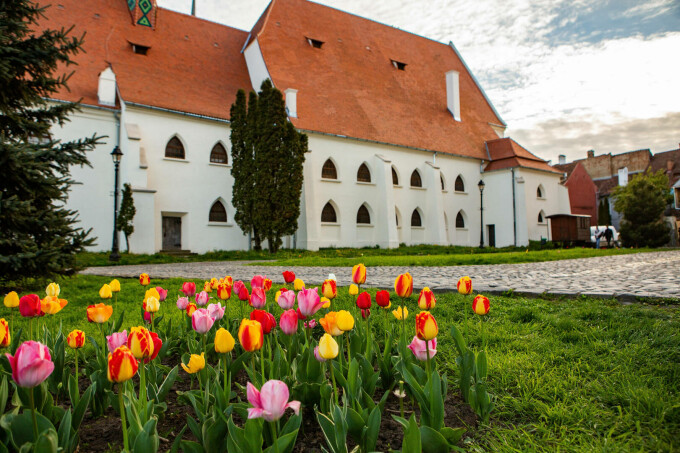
(30, 306)
(382, 298)
(267, 320)
(188, 288)
(364, 301)
(157, 345)
(288, 276)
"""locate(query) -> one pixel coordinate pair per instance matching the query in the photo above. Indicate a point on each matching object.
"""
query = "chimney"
(107, 87)
(562, 159)
(193, 7)
(591, 153)
(453, 94)
(291, 102)
(623, 176)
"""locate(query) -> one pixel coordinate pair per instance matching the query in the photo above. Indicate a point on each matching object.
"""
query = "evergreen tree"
(642, 202)
(604, 217)
(272, 153)
(38, 235)
(126, 214)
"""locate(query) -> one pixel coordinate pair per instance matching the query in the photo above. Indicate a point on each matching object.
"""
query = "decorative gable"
(143, 12)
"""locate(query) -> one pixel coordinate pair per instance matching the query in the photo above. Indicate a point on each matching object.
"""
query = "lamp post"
(481, 184)
(116, 155)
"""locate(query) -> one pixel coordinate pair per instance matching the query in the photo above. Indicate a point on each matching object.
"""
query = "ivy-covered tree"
(126, 214)
(642, 202)
(271, 153)
(39, 237)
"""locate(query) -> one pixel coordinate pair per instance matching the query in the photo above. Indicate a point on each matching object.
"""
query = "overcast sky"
(565, 75)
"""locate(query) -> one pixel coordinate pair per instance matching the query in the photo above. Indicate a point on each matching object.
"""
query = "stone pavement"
(625, 277)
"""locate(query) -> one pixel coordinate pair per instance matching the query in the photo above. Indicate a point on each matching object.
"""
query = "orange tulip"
(52, 305)
(403, 285)
(330, 324)
(359, 274)
(250, 335)
(480, 305)
(144, 279)
(426, 326)
(465, 286)
(76, 339)
(426, 299)
(122, 365)
(99, 313)
(140, 343)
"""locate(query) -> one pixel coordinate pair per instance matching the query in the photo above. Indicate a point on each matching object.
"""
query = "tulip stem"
(262, 363)
(481, 321)
(35, 422)
(272, 426)
(30, 328)
(227, 384)
(368, 336)
(335, 388)
(205, 372)
(429, 366)
(466, 318)
(142, 388)
(77, 388)
(11, 323)
(101, 329)
(342, 358)
(349, 360)
(122, 418)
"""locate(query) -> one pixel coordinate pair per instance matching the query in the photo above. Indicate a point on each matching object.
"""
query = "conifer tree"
(39, 237)
(126, 214)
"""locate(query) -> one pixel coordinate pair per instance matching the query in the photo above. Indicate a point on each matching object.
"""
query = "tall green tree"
(604, 217)
(267, 189)
(126, 215)
(642, 202)
(39, 237)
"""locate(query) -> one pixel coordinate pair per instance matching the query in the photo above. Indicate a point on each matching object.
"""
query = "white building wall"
(555, 200)
(466, 202)
(257, 68)
(498, 207)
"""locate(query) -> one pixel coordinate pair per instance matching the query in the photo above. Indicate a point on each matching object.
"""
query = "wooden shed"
(570, 228)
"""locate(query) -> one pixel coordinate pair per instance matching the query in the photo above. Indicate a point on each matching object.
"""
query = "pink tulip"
(310, 324)
(116, 340)
(201, 320)
(182, 303)
(32, 364)
(419, 349)
(258, 297)
(147, 317)
(317, 356)
(289, 322)
(162, 292)
(188, 288)
(241, 290)
(216, 311)
(286, 300)
(202, 298)
(309, 301)
(301, 317)
(271, 402)
(257, 282)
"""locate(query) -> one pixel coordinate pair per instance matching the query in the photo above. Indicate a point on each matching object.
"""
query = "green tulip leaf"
(47, 442)
(22, 428)
(432, 441)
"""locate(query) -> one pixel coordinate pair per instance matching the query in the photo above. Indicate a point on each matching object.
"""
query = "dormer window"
(399, 65)
(315, 43)
(140, 49)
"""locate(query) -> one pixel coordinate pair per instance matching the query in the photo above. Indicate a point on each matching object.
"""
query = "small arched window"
(441, 178)
(363, 174)
(415, 219)
(363, 216)
(174, 149)
(329, 171)
(328, 214)
(459, 185)
(218, 155)
(460, 221)
(541, 218)
(539, 192)
(217, 212)
(395, 177)
(415, 179)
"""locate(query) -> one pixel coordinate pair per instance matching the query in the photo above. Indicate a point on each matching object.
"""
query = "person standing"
(598, 236)
(608, 234)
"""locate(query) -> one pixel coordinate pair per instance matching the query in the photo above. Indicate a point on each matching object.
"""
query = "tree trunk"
(258, 241)
(127, 243)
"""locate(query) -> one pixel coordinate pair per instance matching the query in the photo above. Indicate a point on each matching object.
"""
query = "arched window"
(539, 192)
(460, 220)
(174, 149)
(363, 174)
(459, 185)
(541, 217)
(328, 214)
(363, 216)
(217, 212)
(397, 214)
(441, 178)
(415, 219)
(415, 179)
(329, 171)
(218, 155)
(395, 177)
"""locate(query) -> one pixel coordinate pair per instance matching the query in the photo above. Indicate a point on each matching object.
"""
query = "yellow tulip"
(12, 299)
(105, 292)
(115, 286)
(214, 283)
(298, 284)
(152, 292)
(353, 290)
(152, 305)
(52, 290)
(345, 320)
(207, 287)
(224, 341)
(326, 302)
(196, 363)
(328, 347)
(400, 313)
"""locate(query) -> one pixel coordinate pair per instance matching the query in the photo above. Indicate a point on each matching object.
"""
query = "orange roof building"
(400, 131)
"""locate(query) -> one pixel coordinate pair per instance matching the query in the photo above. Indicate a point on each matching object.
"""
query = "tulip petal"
(295, 405)
(255, 412)
(253, 395)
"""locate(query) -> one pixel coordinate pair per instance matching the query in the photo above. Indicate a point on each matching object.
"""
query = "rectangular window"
(139, 49)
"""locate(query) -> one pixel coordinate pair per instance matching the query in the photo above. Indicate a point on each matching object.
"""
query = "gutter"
(514, 208)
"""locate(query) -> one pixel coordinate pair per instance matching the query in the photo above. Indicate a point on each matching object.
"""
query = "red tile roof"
(193, 65)
(349, 87)
(507, 153)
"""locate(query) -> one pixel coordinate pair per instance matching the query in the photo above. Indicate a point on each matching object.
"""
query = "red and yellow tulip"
(426, 326)
(403, 285)
(465, 286)
(480, 305)
(250, 335)
(122, 365)
(359, 274)
(426, 299)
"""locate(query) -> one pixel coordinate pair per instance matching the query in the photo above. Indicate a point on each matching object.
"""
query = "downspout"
(514, 208)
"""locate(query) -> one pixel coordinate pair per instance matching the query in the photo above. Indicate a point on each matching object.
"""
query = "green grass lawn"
(568, 375)
(421, 255)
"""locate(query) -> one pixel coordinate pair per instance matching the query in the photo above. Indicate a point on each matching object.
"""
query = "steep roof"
(350, 86)
(669, 162)
(507, 153)
(192, 65)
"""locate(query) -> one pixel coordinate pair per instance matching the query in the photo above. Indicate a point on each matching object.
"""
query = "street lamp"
(116, 155)
(481, 184)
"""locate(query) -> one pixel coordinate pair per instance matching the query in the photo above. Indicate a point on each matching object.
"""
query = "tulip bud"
(224, 342)
(182, 303)
(5, 339)
(345, 320)
(144, 279)
(329, 289)
(30, 306)
(328, 347)
(76, 339)
(419, 348)
(11, 299)
(464, 285)
(403, 285)
(330, 324)
(190, 309)
(140, 343)
(258, 297)
(162, 293)
(207, 287)
(214, 283)
(201, 321)
(250, 335)
(267, 320)
(216, 311)
(382, 298)
(426, 299)
(115, 286)
(202, 298)
(223, 291)
(188, 289)
(426, 326)
(52, 290)
(298, 284)
(289, 322)
(122, 365)
(480, 305)
(288, 276)
(353, 290)
(31, 364)
(196, 363)
(359, 274)
(364, 301)
(116, 340)
(105, 292)
(152, 305)
(286, 299)
(325, 302)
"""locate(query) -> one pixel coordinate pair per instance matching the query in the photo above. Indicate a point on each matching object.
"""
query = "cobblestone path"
(625, 277)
